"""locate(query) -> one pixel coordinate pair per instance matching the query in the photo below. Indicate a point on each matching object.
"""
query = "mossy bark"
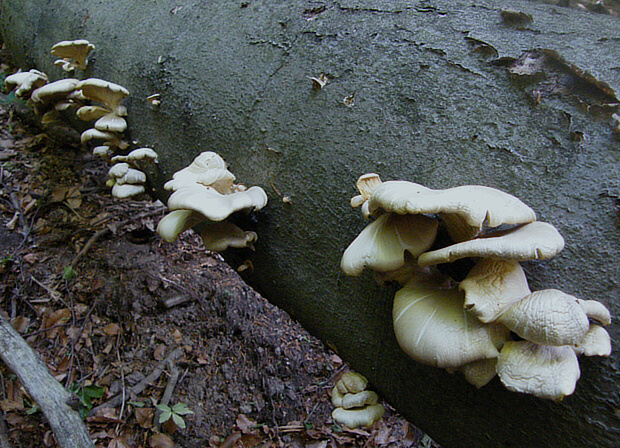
(435, 93)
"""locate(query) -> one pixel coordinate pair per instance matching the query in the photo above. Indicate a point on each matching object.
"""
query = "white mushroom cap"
(541, 370)
(466, 210)
(382, 244)
(533, 241)
(549, 317)
(215, 206)
(493, 286)
(219, 236)
(595, 343)
(337, 397)
(96, 134)
(353, 418)
(351, 383)
(102, 151)
(360, 399)
(89, 113)
(55, 91)
(77, 50)
(126, 190)
(111, 122)
(118, 170)
(596, 311)
(25, 82)
(106, 93)
(137, 154)
(207, 169)
(132, 176)
(432, 327)
(177, 222)
(366, 184)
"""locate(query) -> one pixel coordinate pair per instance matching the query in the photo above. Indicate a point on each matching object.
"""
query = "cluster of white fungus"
(205, 193)
(125, 176)
(355, 406)
(490, 323)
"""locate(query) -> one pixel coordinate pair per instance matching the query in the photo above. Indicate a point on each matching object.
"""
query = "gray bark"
(69, 429)
(430, 106)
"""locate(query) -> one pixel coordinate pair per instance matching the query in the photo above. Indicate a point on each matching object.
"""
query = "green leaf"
(68, 273)
(178, 420)
(163, 408)
(137, 404)
(93, 391)
(181, 409)
(165, 416)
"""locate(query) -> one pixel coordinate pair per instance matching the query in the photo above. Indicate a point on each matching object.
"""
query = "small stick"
(172, 382)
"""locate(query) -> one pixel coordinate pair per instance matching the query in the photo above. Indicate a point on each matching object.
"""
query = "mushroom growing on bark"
(467, 326)
(204, 195)
(25, 82)
(126, 178)
(72, 53)
(354, 405)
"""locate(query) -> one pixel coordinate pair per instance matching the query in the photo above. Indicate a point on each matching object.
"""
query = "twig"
(20, 212)
(68, 427)
(138, 388)
(172, 382)
(177, 300)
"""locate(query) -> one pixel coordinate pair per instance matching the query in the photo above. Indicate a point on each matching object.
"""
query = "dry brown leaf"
(245, 424)
(177, 336)
(144, 417)
(59, 194)
(74, 197)
(20, 323)
(160, 440)
(112, 329)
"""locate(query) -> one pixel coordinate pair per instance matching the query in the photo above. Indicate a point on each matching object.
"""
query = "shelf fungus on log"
(467, 325)
(204, 195)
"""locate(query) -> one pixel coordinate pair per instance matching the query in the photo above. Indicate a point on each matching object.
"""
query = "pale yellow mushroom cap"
(466, 210)
(381, 246)
(55, 91)
(533, 241)
(208, 169)
(25, 82)
(106, 93)
(351, 383)
(354, 418)
(213, 205)
(177, 222)
(432, 327)
(126, 190)
(549, 317)
(541, 370)
(77, 50)
(219, 236)
(481, 372)
(111, 122)
(596, 342)
(89, 113)
(493, 286)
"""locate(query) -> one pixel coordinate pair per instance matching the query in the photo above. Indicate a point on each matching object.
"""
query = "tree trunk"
(436, 94)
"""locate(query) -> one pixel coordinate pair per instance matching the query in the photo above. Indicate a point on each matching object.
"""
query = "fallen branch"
(139, 388)
(50, 396)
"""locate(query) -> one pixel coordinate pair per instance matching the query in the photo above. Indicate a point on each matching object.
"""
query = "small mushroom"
(354, 418)
(351, 383)
(533, 241)
(595, 343)
(111, 122)
(126, 190)
(54, 92)
(480, 372)
(25, 82)
(541, 370)
(89, 113)
(146, 154)
(73, 53)
(208, 169)
(107, 93)
(220, 235)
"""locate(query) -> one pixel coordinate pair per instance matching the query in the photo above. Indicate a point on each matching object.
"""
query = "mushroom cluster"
(355, 406)
(484, 321)
(25, 82)
(109, 114)
(205, 193)
(125, 176)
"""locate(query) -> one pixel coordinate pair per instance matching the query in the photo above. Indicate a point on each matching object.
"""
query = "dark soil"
(105, 302)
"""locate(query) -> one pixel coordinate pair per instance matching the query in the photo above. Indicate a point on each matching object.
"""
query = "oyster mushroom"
(73, 54)
(25, 82)
(544, 371)
(533, 241)
(355, 406)
(466, 210)
(493, 286)
(432, 328)
(381, 246)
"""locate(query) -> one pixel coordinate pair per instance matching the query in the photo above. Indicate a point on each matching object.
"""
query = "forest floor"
(114, 311)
